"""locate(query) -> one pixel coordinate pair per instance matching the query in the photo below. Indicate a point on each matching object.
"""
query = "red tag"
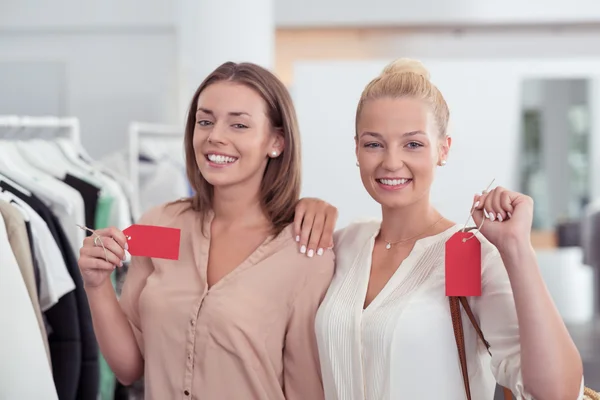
(153, 241)
(463, 265)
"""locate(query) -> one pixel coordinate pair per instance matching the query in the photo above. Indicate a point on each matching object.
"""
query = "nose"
(216, 135)
(392, 161)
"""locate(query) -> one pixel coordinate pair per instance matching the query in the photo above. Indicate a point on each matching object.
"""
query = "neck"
(413, 221)
(238, 206)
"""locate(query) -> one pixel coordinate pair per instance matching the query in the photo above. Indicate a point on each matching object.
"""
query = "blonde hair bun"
(404, 66)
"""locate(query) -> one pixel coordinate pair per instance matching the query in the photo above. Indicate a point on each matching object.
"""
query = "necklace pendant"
(388, 246)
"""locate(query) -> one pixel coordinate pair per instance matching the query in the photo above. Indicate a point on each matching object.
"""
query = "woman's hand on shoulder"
(314, 223)
(507, 217)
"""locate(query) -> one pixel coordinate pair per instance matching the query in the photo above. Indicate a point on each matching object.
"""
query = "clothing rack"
(67, 127)
(137, 132)
(46, 207)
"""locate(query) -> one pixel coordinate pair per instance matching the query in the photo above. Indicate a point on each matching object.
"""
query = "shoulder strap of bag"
(459, 336)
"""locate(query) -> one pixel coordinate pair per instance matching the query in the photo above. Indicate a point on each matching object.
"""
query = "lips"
(220, 159)
(393, 181)
(393, 184)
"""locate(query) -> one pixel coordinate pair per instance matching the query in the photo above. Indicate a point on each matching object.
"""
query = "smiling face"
(398, 147)
(233, 137)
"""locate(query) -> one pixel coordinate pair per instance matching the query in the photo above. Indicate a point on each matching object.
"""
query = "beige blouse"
(251, 336)
(19, 242)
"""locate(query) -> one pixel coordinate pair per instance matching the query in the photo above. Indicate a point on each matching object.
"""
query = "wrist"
(517, 253)
(515, 245)
(99, 290)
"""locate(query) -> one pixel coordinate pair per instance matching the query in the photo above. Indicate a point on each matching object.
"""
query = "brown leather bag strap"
(467, 307)
(459, 336)
(455, 303)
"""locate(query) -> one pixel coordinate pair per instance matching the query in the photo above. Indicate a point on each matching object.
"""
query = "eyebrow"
(231, 113)
(379, 136)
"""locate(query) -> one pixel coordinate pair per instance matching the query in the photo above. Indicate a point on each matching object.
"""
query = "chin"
(397, 202)
(220, 181)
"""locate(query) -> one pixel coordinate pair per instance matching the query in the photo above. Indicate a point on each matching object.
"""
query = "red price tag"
(153, 241)
(463, 265)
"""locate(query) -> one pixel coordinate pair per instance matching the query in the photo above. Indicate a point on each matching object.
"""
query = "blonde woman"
(384, 329)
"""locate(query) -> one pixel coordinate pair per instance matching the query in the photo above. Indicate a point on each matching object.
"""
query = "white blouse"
(402, 345)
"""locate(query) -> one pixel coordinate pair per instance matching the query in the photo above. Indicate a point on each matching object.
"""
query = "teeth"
(393, 182)
(219, 159)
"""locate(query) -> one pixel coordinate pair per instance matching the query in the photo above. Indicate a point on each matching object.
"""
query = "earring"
(357, 164)
(274, 154)
(443, 162)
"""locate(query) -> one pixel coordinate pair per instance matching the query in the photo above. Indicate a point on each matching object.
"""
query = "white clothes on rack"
(69, 210)
(160, 181)
(55, 280)
(25, 372)
(55, 186)
(16, 168)
(65, 201)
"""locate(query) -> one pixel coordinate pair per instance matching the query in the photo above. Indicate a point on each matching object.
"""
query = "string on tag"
(97, 238)
(477, 229)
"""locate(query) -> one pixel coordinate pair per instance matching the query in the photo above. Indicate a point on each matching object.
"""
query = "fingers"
(114, 233)
(96, 258)
(315, 235)
(111, 246)
(485, 205)
(298, 218)
(506, 203)
(327, 235)
(314, 223)
(305, 230)
(477, 210)
(108, 245)
(495, 208)
(495, 205)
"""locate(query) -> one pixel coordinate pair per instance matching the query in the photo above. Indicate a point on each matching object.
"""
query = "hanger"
(14, 184)
(45, 155)
(71, 154)
(14, 167)
(89, 172)
(13, 164)
(13, 157)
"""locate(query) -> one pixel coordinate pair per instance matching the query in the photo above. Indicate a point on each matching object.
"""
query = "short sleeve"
(302, 372)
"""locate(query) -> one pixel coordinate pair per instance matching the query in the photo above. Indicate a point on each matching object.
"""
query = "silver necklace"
(389, 244)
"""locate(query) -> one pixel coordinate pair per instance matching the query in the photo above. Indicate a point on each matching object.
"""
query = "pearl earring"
(357, 164)
(443, 162)
(274, 154)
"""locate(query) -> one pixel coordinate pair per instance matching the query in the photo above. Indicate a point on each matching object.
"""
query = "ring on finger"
(96, 241)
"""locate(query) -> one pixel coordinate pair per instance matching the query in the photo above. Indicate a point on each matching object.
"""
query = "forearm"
(551, 365)
(114, 334)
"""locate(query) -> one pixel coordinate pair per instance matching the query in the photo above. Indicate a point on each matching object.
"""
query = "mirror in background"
(555, 157)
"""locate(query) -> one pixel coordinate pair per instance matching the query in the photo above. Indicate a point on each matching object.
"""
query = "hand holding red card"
(463, 265)
(153, 241)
